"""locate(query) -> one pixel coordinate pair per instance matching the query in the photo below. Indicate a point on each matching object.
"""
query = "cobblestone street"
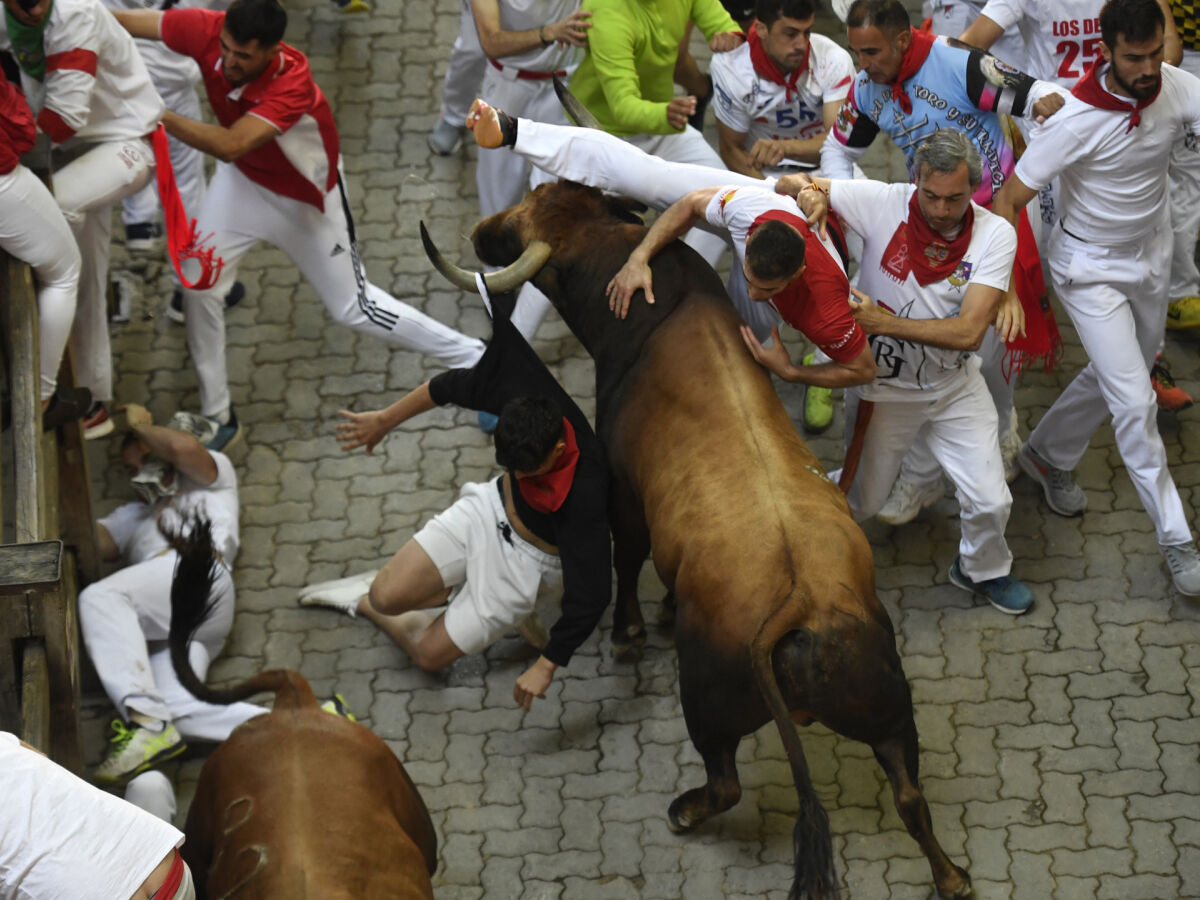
(1059, 749)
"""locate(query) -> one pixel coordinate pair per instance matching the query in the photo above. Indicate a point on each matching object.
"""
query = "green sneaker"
(818, 405)
(337, 706)
(134, 749)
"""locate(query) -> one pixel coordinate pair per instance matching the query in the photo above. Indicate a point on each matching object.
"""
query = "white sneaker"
(1183, 561)
(907, 499)
(1010, 448)
(343, 594)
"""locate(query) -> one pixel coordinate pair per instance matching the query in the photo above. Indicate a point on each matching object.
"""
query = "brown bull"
(297, 803)
(773, 580)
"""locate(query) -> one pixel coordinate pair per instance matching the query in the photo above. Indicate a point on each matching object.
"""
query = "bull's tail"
(815, 875)
(191, 605)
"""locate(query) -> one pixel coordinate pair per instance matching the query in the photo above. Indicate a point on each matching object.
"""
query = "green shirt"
(626, 79)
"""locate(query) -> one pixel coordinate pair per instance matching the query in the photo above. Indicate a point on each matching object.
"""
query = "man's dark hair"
(770, 11)
(264, 21)
(528, 429)
(1134, 20)
(774, 251)
(889, 16)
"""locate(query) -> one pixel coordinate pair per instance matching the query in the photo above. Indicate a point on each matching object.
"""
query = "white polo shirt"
(908, 370)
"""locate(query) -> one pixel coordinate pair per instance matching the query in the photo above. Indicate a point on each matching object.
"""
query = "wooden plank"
(24, 380)
(76, 523)
(26, 567)
(14, 629)
(62, 657)
(35, 697)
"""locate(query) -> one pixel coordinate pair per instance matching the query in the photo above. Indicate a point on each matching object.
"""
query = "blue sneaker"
(487, 422)
(227, 434)
(1005, 593)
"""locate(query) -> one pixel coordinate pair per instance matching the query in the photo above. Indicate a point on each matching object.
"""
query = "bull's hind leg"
(721, 792)
(631, 546)
(898, 756)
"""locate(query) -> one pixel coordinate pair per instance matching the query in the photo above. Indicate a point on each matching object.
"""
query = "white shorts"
(494, 574)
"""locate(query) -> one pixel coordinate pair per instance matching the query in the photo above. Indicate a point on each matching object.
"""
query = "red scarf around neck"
(914, 58)
(547, 492)
(1091, 91)
(768, 69)
(915, 247)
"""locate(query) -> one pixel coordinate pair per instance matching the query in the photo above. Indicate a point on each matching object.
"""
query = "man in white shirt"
(935, 267)
(125, 618)
(1110, 263)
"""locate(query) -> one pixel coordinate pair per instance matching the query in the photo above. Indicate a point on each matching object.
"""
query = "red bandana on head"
(915, 247)
(1091, 91)
(546, 492)
(767, 68)
(914, 58)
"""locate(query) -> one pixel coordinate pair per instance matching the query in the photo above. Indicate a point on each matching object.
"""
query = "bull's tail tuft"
(192, 603)
(815, 876)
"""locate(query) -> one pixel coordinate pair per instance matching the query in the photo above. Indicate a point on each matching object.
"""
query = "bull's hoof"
(679, 819)
(627, 643)
(956, 887)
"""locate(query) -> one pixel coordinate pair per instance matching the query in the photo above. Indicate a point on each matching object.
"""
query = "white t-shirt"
(752, 105)
(1062, 37)
(100, 86)
(1112, 178)
(63, 839)
(906, 370)
(134, 527)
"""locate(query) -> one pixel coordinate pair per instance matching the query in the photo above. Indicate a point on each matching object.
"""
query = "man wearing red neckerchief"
(1110, 264)
(937, 266)
(777, 95)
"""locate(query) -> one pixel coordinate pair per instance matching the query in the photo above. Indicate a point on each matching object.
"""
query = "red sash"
(183, 241)
(170, 887)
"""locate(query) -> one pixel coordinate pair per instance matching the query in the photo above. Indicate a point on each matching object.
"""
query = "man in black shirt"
(488, 553)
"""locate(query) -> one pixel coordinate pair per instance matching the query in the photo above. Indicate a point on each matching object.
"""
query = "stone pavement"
(1059, 749)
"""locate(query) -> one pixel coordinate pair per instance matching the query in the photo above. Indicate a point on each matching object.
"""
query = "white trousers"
(1111, 294)
(464, 70)
(959, 428)
(32, 229)
(1185, 203)
(239, 214)
(125, 619)
(86, 190)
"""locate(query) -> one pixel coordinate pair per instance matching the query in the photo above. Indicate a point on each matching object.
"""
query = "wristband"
(542, 36)
(813, 186)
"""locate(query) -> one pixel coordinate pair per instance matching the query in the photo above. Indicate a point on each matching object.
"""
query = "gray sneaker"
(1063, 495)
(1183, 560)
(446, 138)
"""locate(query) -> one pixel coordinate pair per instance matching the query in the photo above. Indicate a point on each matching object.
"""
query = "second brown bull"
(777, 616)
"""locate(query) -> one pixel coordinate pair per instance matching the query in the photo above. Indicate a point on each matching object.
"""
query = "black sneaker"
(143, 237)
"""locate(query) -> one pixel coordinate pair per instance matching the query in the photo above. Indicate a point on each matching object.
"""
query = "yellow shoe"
(135, 749)
(1183, 314)
(818, 405)
(353, 6)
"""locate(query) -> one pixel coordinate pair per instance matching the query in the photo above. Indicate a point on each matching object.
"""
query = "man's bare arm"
(962, 332)
(141, 23)
(226, 144)
(859, 370)
(732, 147)
(982, 33)
(178, 448)
(673, 223)
(497, 42)
(1172, 45)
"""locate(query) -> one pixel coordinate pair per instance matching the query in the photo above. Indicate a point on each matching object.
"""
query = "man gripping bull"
(937, 265)
(783, 271)
(485, 558)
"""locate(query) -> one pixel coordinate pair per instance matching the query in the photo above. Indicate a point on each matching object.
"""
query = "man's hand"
(572, 30)
(679, 110)
(723, 41)
(634, 276)
(1010, 317)
(766, 153)
(1047, 106)
(775, 358)
(866, 313)
(533, 682)
(363, 428)
(136, 414)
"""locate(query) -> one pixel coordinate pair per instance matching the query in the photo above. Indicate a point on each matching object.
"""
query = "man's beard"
(1142, 93)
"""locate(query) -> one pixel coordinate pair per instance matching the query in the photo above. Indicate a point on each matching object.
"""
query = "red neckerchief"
(914, 58)
(546, 492)
(768, 69)
(915, 247)
(1091, 91)
(183, 239)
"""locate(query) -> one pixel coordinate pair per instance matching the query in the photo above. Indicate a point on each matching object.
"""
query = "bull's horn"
(507, 279)
(577, 111)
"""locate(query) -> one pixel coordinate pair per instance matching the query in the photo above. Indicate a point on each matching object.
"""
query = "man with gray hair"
(935, 266)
